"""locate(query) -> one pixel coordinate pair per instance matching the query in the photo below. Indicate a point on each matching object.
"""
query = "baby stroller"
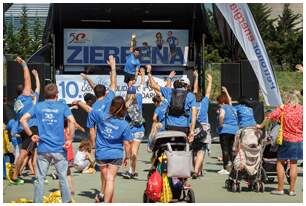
(270, 157)
(181, 191)
(248, 147)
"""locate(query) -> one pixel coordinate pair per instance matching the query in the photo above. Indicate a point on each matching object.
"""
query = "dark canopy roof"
(159, 16)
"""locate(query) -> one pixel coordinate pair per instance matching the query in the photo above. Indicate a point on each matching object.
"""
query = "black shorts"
(181, 129)
(26, 141)
(116, 162)
(128, 77)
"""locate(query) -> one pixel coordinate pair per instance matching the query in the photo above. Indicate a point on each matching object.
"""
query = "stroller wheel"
(261, 187)
(227, 184)
(190, 198)
(270, 180)
(257, 187)
(238, 189)
(234, 187)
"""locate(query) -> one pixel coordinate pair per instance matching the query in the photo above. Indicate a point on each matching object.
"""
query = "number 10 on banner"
(69, 89)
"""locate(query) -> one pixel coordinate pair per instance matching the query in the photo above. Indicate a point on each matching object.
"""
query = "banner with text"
(242, 23)
(93, 46)
(74, 87)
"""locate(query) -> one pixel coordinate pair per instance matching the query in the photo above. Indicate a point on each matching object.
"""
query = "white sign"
(74, 87)
(242, 23)
(93, 46)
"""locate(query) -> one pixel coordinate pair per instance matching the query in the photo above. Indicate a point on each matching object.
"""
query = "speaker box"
(249, 82)
(230, 78)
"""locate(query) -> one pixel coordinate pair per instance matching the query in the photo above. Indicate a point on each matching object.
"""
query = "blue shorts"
(290, 151)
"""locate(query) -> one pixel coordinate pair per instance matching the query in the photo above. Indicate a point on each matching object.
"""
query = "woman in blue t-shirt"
(227, 128)
(245, 113)
(135, 120)
(113, 137)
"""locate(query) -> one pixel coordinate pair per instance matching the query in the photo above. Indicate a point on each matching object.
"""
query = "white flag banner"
(74, 87)
(241, 21)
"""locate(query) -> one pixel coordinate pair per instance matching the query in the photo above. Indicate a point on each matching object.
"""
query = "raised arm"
(37, 82)
(208, 87)
(27, 90)
(142, 72)
(195, 82)
(112, 63)
(169, 79)
(82, 105)
(90, 82)
(223, 89)
(152, 83)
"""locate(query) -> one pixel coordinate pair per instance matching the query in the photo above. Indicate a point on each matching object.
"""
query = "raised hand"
(172, 74)
(34, 72)
(35, 138)
(84, 76)
(142, 71)
(209, 77)
(19, 60)
(111, 61)
(195, 73)
(149, 68)
(223, 89)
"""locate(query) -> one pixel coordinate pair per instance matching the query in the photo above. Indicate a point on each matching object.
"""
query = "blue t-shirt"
(100, 105)
(190, 102)
(50, 119)
(131, 64)
(203, 110)
(245, 116)
(139, 104)
(230, 124)
(21, 106)
(111, 132)
(171, 41)
(160, 111)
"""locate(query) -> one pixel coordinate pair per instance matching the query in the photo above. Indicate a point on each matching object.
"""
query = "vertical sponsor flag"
(241, 21)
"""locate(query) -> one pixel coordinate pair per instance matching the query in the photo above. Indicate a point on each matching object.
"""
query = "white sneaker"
(223, 172)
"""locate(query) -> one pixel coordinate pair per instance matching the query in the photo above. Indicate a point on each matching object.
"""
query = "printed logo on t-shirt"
(49, 116)
(18, 106)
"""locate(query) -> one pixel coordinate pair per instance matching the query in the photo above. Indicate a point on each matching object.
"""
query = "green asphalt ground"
(208, 189)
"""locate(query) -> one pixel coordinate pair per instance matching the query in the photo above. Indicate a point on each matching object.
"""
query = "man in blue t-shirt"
(24, 102)
(52, 145)
(178, 120)
(132, 66)
(173, 42)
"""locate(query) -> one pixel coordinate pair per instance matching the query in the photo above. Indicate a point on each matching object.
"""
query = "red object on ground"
(154, 186)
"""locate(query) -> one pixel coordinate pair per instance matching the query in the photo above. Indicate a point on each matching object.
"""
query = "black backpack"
(177, 103)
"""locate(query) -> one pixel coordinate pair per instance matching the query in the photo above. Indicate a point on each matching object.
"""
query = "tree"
(23, 37)
(264, 22)
(288, 21)
(36, 41)
(10, 42)
(289, 51)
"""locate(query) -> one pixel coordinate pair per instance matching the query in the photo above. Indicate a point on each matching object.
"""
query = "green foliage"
(10, 42)
(282, 36)
(20, 42)
(23, 37)
(36, 41)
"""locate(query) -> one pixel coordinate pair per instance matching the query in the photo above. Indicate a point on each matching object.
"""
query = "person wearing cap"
(132, 66)
(134, 108)
(185, 122)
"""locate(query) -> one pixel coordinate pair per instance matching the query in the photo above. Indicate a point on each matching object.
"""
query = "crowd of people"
(44, 130)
